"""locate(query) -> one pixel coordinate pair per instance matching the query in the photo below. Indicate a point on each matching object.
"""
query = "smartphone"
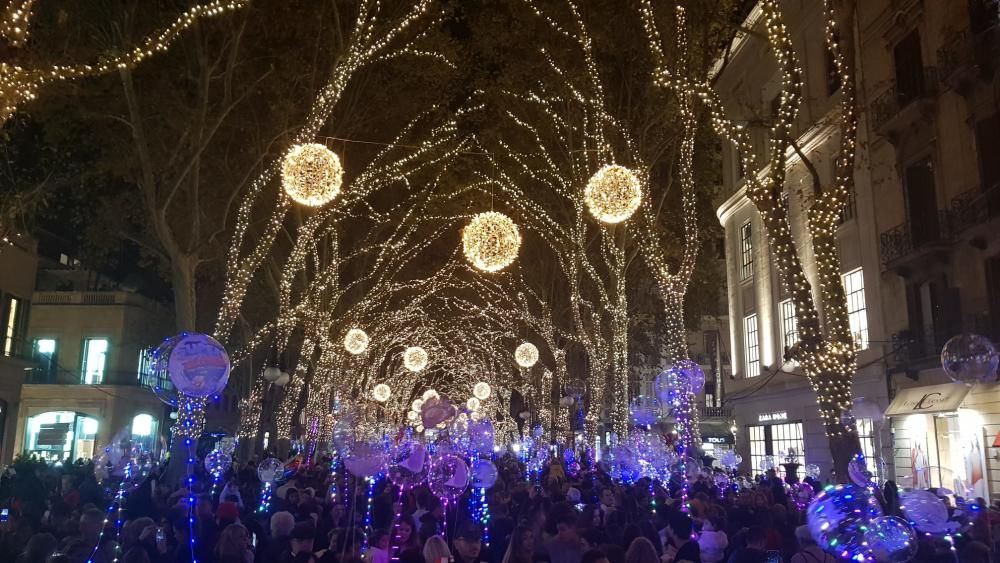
(161, 536)
(773, 556)
(4, 514)
(253, 540)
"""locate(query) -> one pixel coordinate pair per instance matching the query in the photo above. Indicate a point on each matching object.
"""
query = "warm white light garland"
(311, 174)
(613, 194)
(491, 241)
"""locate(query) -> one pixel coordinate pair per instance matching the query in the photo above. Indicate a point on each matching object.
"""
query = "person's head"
(594, 556)
(205, 507)
(564, 520)
(380, 539)
(679, 526)
(234, 541)
(282, 524)
(133, 529)
(91, 524)
(39, 547)
(292, 496)
(468, 541)
(522, 542)
(756, 538)
(435, 550)
(608, 497)
(303, 537)
(803, 536)
(406, 529)
(641, 550)
(228, 513)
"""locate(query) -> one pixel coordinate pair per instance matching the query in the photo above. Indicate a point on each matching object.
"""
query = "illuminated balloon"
(839, 517)
(969, 359)
(803, 494)
(537, 431)
(270, 470)
(721, 480)
(481, 436)
(926, 512)
(729, 459)
(228, 445)
(412, 465)
(768, 463)
(692, 375)
(448, 477)
(812, 470)
(168, 395)
(366, 459)
(669, 388)
(435, 411)
(484, 474)
(198, 365)
(644, 410)
(217, 463)
(891, 540)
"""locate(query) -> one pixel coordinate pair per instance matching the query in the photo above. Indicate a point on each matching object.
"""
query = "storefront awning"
(928, 400)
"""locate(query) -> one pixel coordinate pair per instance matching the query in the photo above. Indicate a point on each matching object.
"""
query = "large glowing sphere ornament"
(891, 539)
(381, 392)
(839, 519)
(356, 341)
(198, 365)
(969, 359)
(491, 241)
(311, 174)
(415, 358)
(613, 194)
(526, 355)
(481, 390)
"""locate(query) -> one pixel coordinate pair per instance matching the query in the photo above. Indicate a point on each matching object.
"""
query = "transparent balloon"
(448, 477)
(436, 411)
(366, 459)
(927, 512)
(812, 470)
(670, 388)
(839, 517)
(199, 365)
(730, 460)
(644, 410)
(481, 436)
(721, 480)
(692, 376)
(484, 474)
(217, 463)
(969, 359)
(412, 465)
(891, 539)
(270, 470)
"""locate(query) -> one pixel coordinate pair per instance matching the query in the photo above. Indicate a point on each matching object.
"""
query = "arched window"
(61, 435)
(144, 431)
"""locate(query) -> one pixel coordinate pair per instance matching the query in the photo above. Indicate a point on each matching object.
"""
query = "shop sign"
(772, 416)
(52, 434)
(726, 439)
(929, 399)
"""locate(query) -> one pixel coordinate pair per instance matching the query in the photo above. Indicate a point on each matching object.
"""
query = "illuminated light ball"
(721, 480)
(311, 174)
(812, 470)
(356, 341)
(430, 394)
(803, 493)
(415, 358)
(644, 410)
(839, 517)
(416, 404)
(472, 404)
(419, 428)
(969, 359)
(526, 355)
(481, 390)
(412, 416)
(217, 463)
(270, 470)
(491, 241)
(271, 373)
(613, 194)
(198, 365)
(448, 477)
(381, 392)
(484, 474)
(891, 540)
(926, 512)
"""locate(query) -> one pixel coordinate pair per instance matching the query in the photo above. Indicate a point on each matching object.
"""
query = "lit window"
(758, 446)
(854, 288)
(13, 325)
(746, 252)
(787, 441)
(866, 437)
(142, 425)
(45, 355)
(95, 359)
(789, 325)
(751, 346)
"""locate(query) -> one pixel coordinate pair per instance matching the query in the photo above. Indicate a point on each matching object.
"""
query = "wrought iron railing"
(900, 241)
(899, 95)
(715, 412)
(60, 376)
(920, 346)
(975, 207)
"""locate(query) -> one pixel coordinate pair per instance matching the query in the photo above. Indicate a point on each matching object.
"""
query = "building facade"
(775, 407)
(933, 121)
(18, 264)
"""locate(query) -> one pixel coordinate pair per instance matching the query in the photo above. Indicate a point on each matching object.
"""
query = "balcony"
(46, 376)
(920, 348)
(974, 212)
(720, 413)
(908, 246)
(905, 104)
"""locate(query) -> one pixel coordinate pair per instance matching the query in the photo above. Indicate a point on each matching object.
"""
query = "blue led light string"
(190, 501)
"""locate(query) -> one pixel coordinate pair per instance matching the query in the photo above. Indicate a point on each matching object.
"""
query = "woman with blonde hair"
(234, 545)
(436, 550)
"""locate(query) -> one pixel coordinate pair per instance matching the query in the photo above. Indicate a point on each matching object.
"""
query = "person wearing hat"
(300, 548)
(468, 544)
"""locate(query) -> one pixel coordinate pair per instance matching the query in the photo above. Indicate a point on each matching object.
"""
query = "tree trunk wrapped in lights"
(827, 350)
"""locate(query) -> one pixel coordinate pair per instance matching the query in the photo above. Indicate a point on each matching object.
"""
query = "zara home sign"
(772, 416)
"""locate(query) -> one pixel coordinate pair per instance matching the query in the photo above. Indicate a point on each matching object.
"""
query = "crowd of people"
(61, 513)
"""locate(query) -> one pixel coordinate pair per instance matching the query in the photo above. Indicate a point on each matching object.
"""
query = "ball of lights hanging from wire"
(311, 174)
(356, 341)
(415, 358)
(526, 355)
(481, 390)
(491, 241)
(381, 392)
(613, 194)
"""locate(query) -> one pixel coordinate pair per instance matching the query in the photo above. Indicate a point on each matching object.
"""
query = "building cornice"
(739, 41)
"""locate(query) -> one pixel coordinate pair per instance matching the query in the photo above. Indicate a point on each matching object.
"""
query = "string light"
(613, 194)
(491, 241)
(311, 174)
(16, 23)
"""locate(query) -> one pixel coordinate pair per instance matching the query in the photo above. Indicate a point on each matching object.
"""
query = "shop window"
(144, 431)
(95, 359)
(866, 434)
(777, 440)
(751, 346)
(61, 435)
(789, 326)
(857, 314)
(746, 251)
